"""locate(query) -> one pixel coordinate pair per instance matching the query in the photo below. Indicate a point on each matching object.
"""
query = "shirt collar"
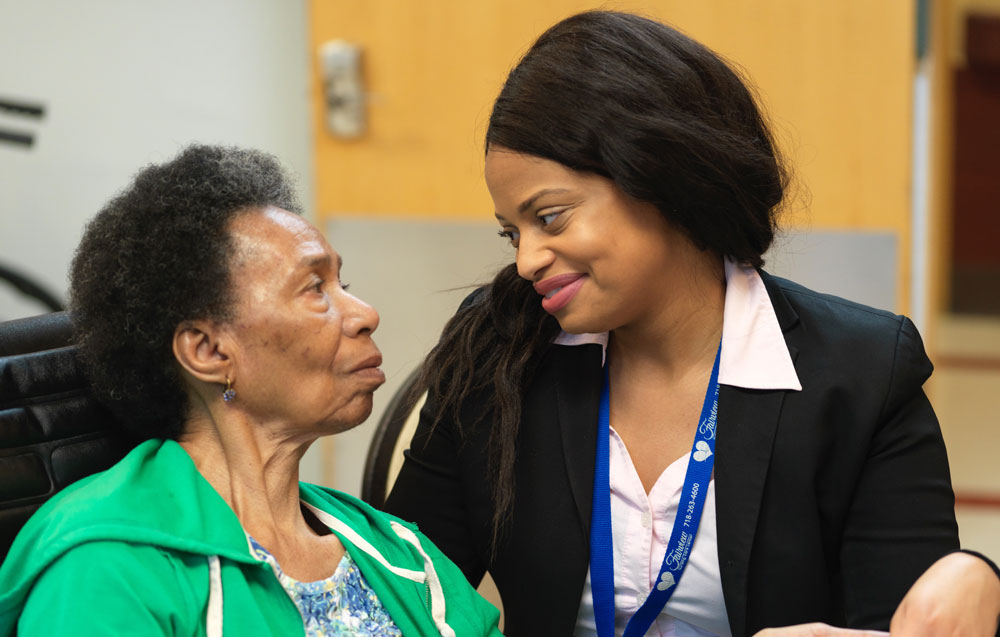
(754, 352)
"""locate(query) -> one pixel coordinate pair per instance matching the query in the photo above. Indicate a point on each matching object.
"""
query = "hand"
(958, 595)
(817, 630)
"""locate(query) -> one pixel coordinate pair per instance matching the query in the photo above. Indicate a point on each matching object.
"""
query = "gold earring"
(229, 394)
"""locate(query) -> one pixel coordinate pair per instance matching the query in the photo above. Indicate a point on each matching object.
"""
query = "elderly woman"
(212, 318)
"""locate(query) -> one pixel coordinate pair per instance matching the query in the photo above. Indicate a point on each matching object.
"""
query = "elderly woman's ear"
(203, 350)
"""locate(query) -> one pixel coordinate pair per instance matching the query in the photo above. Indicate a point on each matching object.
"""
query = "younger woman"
(635, 427)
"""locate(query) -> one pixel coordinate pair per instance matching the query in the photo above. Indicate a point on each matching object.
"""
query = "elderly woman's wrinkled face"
(304, 357)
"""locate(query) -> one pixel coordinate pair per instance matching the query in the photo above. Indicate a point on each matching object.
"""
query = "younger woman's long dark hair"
(662, 116)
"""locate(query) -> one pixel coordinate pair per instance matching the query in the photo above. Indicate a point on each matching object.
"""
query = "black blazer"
(830, 501)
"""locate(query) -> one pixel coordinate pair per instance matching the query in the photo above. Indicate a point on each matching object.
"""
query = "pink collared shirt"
(754, 356)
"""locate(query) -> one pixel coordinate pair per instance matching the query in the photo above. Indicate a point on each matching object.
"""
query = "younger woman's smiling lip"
(559, 290)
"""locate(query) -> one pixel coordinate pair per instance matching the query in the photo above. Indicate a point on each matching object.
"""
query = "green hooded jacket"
(149, 547)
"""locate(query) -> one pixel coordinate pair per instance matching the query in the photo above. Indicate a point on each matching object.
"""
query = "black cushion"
(52, 431)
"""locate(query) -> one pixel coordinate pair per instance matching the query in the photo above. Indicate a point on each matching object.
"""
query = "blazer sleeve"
(901, 518)
(430, 491)
(989, 562)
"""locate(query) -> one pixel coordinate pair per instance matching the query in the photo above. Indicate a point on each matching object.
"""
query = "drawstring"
(433, 583)
(429, 576)
(363, 544)
(213, 617)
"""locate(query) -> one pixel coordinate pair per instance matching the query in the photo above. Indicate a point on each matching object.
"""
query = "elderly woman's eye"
(318, 285)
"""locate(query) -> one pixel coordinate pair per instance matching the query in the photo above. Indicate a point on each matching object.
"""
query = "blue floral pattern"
(342, 604)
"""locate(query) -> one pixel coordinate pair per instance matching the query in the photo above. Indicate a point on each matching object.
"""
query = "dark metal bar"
(18, 107)
(15, 137)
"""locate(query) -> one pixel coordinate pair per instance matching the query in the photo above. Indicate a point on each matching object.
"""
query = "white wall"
(128, 83)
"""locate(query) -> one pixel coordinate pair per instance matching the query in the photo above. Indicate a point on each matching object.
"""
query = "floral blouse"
(342, 604)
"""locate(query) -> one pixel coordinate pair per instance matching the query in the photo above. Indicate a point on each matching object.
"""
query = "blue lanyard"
(699, 472)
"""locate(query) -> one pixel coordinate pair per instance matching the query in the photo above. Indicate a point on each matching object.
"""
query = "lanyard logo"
(666, 581)
(701, 451)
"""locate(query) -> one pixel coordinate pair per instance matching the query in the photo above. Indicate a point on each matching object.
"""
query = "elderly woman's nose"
(359, 317)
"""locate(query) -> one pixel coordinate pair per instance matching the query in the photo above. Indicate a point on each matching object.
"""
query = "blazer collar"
(787, 317)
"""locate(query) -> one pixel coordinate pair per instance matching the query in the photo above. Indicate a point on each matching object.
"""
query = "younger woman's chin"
(580, 325)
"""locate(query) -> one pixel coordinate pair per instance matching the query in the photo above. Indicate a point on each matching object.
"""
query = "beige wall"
(834, 76)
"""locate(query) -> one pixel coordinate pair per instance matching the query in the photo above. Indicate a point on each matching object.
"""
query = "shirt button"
(646, 519)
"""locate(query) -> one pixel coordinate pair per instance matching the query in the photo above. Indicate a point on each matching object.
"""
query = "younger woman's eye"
(345, 286)
(549, 217)
(510, 235)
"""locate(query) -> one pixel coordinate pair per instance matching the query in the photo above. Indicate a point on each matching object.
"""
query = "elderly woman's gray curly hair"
(156, 255)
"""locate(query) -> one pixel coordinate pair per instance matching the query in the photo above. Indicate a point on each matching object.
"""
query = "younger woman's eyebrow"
(530, 201)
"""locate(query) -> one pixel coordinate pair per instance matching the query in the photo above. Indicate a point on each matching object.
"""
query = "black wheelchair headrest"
(52, 430)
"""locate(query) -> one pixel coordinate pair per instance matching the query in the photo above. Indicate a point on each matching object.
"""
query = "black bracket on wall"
(24, 109)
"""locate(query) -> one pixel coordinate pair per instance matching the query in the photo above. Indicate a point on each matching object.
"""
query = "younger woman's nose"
(533, 256)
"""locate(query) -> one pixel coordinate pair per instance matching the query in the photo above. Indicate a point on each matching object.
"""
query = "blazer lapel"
(748, 421)
(578, 379)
